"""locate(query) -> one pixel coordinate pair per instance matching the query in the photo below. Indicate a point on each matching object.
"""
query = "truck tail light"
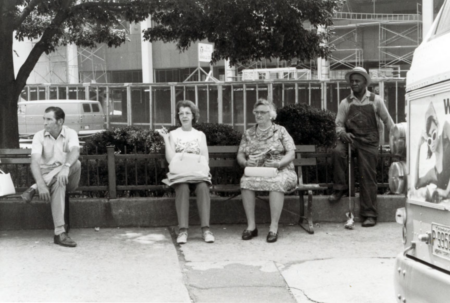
(397, 139)
(397, 177)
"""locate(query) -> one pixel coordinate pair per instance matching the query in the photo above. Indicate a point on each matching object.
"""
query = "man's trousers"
(367, 164)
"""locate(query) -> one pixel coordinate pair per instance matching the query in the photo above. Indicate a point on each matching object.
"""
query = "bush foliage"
(308, 125)
(132, 139)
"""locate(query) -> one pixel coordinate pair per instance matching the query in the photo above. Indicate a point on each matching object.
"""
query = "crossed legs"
(58, 194)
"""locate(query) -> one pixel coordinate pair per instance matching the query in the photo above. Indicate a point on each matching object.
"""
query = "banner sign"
(205, 52)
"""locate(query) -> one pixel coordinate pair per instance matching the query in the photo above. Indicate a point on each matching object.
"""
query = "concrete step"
(157, 212)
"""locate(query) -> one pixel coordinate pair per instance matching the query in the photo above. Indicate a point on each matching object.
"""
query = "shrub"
(219, 134)
(308, 125)
(130, 139)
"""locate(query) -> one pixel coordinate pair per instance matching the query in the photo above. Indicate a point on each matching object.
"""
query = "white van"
(422, 270)
(84, 116)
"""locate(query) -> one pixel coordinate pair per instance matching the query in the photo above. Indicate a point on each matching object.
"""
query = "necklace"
(265, 129)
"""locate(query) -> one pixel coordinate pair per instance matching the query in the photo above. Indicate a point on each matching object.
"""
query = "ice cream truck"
(422, 270)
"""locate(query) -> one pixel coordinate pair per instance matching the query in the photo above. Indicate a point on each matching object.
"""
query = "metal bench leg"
(67, 212)
(305, 220)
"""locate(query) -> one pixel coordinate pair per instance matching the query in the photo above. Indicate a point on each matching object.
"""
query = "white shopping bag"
(6, 184)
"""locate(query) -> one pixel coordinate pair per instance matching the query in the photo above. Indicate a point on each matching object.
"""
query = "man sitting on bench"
(55, 166)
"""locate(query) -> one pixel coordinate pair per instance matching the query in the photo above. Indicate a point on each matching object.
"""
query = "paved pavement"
(143, 264)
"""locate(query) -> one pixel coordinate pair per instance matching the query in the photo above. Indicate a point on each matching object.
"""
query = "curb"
(158, 212)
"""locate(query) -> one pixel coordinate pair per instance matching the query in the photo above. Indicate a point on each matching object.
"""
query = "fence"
(231, 103)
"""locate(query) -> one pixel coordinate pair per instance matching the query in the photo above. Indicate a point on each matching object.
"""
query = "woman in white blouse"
(188, 140)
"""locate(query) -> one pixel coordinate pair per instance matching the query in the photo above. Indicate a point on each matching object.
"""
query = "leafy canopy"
(246, 30)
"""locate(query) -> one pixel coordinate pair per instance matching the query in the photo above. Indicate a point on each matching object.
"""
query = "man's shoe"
(336, 196)
(64, 240)
(28, 195)
(369, 222)
(249, 234)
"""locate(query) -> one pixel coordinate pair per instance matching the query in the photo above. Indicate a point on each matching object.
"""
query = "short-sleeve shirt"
(54, 151)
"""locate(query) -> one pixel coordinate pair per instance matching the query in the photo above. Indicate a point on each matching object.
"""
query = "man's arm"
(341, 116)
(63, 176)
(44, 193)
(384, 114)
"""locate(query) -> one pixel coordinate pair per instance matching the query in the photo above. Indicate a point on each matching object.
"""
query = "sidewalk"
(143, 264)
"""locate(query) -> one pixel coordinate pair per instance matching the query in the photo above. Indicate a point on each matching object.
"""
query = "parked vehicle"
(84, 116)
(422, 270)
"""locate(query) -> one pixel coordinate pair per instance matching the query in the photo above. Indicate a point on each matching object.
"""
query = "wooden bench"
(225, 156)
(22, 157)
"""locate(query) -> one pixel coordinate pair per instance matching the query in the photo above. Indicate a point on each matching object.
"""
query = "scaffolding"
(398, 36)
(51, 68)
(95, 58)
(397, 42)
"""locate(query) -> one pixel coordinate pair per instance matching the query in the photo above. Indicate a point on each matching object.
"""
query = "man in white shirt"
(55, 167)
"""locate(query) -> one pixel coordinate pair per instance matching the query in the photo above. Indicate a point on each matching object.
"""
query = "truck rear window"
(87, 108)
(95, 108)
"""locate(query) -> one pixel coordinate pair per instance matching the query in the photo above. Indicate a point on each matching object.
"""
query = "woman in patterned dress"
(188, 139)
(266, 144)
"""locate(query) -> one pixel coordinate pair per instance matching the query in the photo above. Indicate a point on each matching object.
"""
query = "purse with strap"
(6, 184)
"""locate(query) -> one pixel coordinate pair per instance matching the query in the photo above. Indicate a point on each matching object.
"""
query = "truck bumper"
(417, 282)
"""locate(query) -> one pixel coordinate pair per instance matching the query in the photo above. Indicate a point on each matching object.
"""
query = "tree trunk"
(9, 94)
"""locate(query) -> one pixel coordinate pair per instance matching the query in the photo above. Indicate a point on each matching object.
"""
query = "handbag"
(260, 172)
(185, 163)
(6, 184)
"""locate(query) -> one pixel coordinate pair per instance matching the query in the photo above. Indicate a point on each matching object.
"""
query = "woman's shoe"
(249, 234)
(208, 237)
(272, 237)
(182, 237)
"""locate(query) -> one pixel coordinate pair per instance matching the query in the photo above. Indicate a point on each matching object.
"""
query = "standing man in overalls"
(358, 123)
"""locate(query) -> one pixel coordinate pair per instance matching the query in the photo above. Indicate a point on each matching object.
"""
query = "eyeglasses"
(184, 114)
(259, 113)
(432, 137)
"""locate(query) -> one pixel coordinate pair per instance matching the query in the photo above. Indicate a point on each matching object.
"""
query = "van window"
(86, 108)
(444, 22)
(95, 108)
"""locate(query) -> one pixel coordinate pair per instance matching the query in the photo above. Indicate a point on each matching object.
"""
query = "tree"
(248, 30)
(241, 30)
(53, 23)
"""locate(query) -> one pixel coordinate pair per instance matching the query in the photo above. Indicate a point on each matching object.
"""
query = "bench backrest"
(15, 156)
(225, 156)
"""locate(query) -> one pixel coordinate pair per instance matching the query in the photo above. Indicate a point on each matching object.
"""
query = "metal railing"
(153, 105)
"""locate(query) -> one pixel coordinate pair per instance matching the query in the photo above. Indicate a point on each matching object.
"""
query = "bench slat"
(9, 151)
(305, 162)
(222, 162)
(223, 149)
(15, 160)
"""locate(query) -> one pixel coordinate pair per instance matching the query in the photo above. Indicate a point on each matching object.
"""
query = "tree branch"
(39, 49)
(26, 12)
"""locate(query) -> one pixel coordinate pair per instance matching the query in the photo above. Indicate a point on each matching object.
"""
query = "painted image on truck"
(430, 150)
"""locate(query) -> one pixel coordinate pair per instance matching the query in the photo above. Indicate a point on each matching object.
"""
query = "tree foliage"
(245, 30)
(241, 30)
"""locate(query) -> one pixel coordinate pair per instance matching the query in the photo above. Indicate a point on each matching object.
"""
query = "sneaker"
(64, 240)
(208, 236)
(182, 237)
(28, 195)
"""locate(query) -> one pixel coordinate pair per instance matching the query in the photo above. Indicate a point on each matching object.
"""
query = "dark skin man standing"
(358, 123)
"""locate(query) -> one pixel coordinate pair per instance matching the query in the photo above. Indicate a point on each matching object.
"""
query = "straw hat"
(360, 71)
